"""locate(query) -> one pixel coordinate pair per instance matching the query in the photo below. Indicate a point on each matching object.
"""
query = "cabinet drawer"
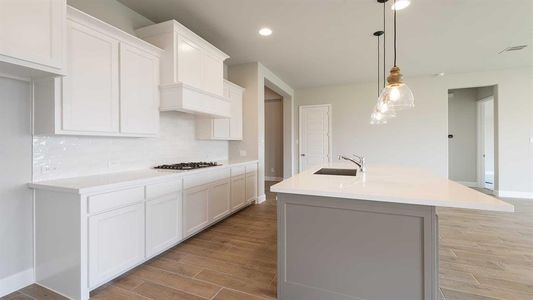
(205, 177)
(251, 168)
(236, 171)
(160, 189)
(111, 200)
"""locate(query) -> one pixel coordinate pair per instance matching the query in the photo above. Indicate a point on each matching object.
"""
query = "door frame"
(481, 143)
(330, 130)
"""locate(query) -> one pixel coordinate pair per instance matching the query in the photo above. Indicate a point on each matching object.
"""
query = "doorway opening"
(273, 136)
(472, 137)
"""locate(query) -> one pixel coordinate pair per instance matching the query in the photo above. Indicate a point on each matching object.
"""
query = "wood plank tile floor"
(484, 256)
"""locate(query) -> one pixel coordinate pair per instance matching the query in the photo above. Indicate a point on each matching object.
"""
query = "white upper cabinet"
(190, 60)
(32, 34)
(90, 91)
(213, 73)
(111, 88)
(191, 70)
(208, 128)
(139, 91)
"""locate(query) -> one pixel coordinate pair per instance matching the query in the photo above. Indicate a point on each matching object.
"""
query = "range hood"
(189, 99)
(192, 70)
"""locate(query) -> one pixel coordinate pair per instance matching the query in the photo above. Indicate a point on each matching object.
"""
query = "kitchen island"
(369, 236)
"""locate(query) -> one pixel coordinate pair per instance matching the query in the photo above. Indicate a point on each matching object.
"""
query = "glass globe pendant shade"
(397, 94)
(377, 118)
(382, 113)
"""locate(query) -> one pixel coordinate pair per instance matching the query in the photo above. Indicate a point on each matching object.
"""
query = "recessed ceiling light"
(265, 31)
(400, 4)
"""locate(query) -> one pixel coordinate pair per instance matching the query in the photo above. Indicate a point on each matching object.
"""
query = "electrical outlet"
(272, 170)
(112, 163)
(242, 152)
(531, 140)
(46, 169)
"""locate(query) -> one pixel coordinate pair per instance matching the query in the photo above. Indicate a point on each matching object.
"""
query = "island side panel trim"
(300, 285)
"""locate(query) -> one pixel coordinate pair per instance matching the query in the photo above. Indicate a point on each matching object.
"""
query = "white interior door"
(486, 143)
(315, 135)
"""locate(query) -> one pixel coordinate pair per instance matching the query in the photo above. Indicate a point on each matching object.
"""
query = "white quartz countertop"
(111, 181)
(393, 184)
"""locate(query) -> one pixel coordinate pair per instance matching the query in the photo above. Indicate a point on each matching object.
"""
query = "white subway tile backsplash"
(70, 156)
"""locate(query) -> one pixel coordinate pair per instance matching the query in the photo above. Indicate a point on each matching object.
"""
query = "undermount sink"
(340, 172)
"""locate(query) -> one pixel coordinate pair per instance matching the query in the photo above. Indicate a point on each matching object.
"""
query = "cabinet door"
(190, 62)
(213, 75)
(221, 128)
(219, 200)
(195, 209)
(251, 187)
(90, 95)
(139, 91)
(236, 114)
(238, 194)
(116, 242)
(33, 31)
(163, 223)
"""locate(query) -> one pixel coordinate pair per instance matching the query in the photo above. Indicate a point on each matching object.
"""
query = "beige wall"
(254, 77)
(462, 124)
(16, 207)
(274, 138)
(418, 137)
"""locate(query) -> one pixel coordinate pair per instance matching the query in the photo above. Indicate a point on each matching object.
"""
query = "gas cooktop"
(188, 165)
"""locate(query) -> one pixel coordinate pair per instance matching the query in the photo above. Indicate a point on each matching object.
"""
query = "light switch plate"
(531, 140)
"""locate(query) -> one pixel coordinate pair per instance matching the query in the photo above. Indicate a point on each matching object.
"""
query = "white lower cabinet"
(195, 209)
(219, 200)
(163, 223)
(116, 242)
(251, 186)
(238, 192)
(121, 228)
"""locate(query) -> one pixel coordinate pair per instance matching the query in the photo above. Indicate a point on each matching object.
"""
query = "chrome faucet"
(360, 162)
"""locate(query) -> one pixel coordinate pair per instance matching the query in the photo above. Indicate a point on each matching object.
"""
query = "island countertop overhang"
(393, 184)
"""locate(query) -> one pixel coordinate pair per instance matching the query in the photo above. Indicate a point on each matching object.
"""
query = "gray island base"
(373, 236)
(337, 249)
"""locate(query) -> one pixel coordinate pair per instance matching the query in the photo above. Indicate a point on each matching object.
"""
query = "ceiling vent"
(513, 48)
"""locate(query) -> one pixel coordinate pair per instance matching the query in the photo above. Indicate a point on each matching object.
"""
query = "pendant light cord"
(394, 3)
(378, 66)
(384, 43)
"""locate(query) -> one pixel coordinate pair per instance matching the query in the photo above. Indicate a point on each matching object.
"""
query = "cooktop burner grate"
(188, 165)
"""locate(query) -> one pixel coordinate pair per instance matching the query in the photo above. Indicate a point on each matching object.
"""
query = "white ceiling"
(323, 42)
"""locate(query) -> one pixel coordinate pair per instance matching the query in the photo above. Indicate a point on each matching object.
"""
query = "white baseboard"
(469, 183)
(270, 178)
(513, 194)
(16, 281)
(261, 199)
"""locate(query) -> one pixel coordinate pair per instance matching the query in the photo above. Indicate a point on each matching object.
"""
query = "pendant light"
(400, 4)
(382, 111)
(396, 94)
